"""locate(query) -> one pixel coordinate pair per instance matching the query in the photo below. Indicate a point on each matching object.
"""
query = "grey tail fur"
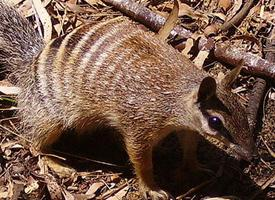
(19, 43)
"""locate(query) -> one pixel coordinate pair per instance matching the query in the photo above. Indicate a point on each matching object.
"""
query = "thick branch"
(254, 102)
(254, 64)
(258, 91)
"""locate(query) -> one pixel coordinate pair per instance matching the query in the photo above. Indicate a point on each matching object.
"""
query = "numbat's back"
(115, 73)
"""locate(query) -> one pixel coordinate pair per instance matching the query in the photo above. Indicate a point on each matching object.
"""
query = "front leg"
(189, 143)
(140, 153)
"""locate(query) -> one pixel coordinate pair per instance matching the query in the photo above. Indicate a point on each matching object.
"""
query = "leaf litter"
(27, 174)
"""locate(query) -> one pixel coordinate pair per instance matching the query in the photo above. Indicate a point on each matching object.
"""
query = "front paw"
(156, 194)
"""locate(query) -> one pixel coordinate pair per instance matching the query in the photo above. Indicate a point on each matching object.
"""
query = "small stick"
(87, 159)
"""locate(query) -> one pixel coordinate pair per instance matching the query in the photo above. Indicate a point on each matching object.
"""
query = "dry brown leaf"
(225, 4)
(60, 169)
(185, 9)
(72, 1)
(26, 9)
(67, 195)
(10, 189)
(8, 144)
(235, 8)
(170, 23)
(9, 90)
(188, 46)
(45, 19)
(58, 28)
(95, 2)
(43, 167)
(7, 192)
(54, 189)
(94, 188)
(199, 60)
(14, 2)
(78, 9)
(17, 189)
(212, 29)
(3, 194)
(32, 185)
(220, 77)
(219, 15)
(120, 194)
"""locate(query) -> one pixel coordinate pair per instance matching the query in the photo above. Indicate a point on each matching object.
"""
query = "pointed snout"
(247, 155)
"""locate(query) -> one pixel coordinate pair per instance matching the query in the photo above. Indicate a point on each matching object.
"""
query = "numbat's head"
(223, 120)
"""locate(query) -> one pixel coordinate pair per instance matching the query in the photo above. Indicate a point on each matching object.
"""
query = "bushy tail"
(19, 42)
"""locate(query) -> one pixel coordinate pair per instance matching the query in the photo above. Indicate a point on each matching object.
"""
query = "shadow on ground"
(105, 145)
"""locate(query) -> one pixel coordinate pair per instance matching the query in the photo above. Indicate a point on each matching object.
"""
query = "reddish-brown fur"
(117, 74)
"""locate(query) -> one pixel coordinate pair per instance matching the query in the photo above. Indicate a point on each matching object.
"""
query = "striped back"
(67, 62)
(114, 63)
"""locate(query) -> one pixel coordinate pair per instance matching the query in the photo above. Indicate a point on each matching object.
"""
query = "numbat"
(117, 74)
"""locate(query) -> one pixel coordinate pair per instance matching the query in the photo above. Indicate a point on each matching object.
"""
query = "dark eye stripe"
(222, 130)
(217, 124)
(225, 133)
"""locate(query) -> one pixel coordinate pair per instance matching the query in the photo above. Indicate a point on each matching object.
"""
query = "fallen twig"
(88, 159)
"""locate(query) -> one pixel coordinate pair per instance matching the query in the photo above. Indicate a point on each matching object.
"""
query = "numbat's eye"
(215, 123)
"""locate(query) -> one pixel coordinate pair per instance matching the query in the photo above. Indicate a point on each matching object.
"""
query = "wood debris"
(211, 33)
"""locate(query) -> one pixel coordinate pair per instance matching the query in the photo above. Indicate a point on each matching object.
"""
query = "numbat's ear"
(207, 89)
(232, 76)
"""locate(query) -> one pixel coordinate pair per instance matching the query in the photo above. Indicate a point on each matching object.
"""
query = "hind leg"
(189, 142)
(45, 134)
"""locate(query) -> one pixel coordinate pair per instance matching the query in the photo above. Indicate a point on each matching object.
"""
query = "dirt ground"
(97, 166)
